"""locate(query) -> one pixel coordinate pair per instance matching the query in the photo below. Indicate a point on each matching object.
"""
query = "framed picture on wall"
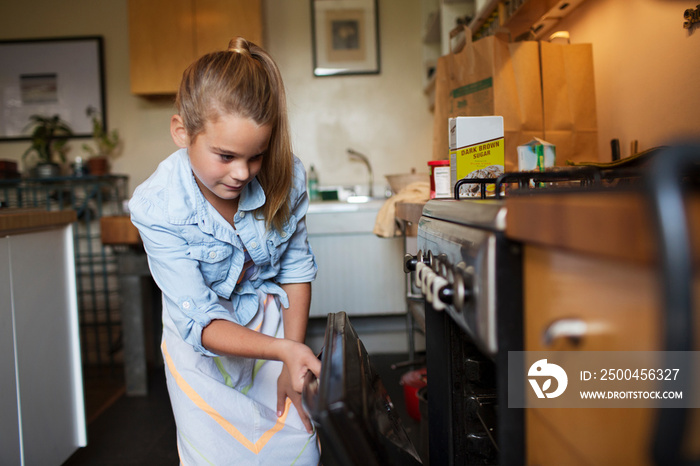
(47, 77)
(345, 36)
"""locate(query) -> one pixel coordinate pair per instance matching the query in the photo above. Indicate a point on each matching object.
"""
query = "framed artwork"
(61, 76)
(345, 37)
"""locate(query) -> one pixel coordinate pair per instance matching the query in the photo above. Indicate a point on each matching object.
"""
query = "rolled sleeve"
(190, 303)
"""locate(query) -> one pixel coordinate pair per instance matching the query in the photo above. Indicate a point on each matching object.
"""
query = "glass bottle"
(313, 184)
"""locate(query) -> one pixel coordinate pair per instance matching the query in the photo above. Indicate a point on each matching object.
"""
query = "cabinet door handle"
(570, 329)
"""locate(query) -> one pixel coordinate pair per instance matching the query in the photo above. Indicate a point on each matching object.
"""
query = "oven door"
(357, 423)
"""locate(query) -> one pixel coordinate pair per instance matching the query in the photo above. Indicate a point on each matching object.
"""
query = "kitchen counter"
(16, 221)
(590, 263)
(410, 212)
(615, 224)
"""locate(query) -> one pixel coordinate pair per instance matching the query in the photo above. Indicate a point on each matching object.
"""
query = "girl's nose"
(239, 171)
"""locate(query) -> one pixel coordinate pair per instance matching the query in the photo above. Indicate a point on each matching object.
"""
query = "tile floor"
(140, 431)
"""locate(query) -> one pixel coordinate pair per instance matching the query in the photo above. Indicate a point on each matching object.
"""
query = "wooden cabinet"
(618, 302)
(165, 36)
(590, 258)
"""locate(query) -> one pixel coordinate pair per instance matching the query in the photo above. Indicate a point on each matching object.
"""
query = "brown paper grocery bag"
(541, 89)
(490, 77)
(568, 99)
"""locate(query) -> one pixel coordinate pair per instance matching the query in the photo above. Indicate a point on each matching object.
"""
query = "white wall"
(383, 116)
(646, 70)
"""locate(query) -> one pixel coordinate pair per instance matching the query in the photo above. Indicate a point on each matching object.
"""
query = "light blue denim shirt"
(196, 257)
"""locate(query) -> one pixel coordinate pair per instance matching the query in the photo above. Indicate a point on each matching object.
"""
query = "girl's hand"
(297, 362)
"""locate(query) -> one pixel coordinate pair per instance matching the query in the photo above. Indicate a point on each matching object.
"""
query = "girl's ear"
(178, 132)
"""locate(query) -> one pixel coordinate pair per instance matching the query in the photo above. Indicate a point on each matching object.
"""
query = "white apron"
(225, 407)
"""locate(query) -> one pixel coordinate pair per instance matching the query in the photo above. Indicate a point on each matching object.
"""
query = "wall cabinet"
(42, 415)
(165, 36)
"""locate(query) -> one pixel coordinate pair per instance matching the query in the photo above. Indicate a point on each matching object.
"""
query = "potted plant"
(107, 144)
(49, 137)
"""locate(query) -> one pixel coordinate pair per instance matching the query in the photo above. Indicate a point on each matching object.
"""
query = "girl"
(223, 223)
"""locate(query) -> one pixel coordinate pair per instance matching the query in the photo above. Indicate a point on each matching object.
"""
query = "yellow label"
(483, 160)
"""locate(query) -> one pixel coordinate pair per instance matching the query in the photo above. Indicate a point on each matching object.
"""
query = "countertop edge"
(19, 221)
(617, 225)
(409, 211)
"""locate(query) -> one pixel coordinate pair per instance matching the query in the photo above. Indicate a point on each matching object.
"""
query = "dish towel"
(386, 226)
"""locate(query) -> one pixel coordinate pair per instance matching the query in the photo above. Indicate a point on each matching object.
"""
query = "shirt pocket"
(278, 241)
(214, 260)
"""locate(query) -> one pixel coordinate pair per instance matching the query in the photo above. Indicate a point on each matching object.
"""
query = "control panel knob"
(446, 294)
(410, 261)
(463, 286)
(435, 297)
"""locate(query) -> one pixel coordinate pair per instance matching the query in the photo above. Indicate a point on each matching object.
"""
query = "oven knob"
(427, 279)
(421, 269)
(440, 263)
(462, 288)
(437, 292)
(446, 294)
(410, 261)
(431, 259)
(421, 262)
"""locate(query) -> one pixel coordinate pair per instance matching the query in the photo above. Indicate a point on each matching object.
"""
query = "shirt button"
(212, 254)
(253, 245)
(242, 214)
(186, 305)
(283, 234)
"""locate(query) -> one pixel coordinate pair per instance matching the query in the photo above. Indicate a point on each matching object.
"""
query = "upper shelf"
(521, 16)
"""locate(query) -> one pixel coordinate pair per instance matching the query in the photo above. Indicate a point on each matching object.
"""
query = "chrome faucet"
(354, 155)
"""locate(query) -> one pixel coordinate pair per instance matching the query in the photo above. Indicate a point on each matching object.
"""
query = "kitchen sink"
(352, 204)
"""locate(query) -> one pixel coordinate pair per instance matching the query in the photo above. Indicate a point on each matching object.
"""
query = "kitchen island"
(42, 415)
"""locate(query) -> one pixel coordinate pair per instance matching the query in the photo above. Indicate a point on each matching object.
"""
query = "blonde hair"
(244, 81)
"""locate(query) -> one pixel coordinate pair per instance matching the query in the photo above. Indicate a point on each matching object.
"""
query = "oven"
(470, 276)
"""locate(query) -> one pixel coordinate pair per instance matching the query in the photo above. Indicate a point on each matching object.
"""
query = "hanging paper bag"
(568, 97)
(490, 77)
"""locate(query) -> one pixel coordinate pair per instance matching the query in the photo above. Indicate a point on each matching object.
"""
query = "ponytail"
(245, 81)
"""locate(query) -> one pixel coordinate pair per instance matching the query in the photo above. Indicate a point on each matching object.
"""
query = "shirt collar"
(252, 196)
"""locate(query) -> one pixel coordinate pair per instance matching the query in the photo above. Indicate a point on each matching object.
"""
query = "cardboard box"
(477, 150)
(536, 155)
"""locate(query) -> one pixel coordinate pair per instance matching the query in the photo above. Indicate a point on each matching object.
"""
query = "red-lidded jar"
(439, 179)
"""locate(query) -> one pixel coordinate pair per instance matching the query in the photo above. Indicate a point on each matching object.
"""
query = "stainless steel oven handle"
(569, 329)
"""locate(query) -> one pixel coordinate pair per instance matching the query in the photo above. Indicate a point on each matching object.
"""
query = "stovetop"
(484, 214)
